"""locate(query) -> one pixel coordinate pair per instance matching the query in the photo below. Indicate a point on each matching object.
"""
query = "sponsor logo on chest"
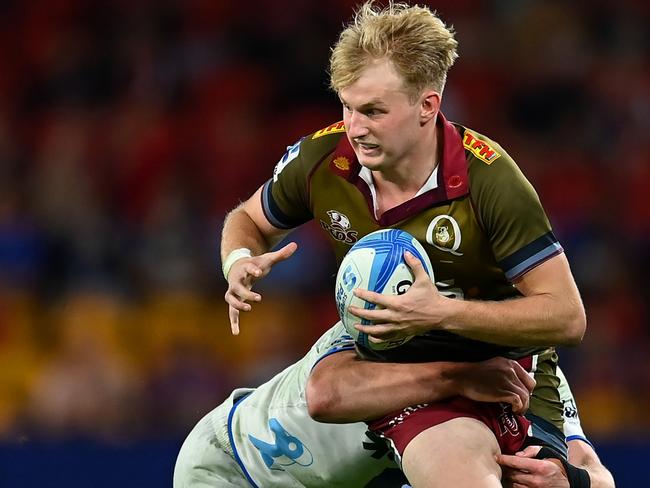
(339, 227)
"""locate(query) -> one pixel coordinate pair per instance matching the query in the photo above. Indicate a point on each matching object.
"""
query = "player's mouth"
(368, 149)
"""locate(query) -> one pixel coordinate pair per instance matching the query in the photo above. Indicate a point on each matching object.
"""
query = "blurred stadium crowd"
(129, 129)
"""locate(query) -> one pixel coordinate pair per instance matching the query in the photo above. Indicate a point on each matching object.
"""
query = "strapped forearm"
(239, 231)
(582, 455)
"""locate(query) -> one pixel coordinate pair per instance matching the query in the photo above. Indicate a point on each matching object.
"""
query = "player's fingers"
(368, 314)
(252, 270)
(519, 397)
(379, 332)
(245, 294)
(529, 452)
(519, 478)
(242, 289)
(514, 462)
(234, 301)
(281, 254)
(375, 340)
(523, 375)
(516, 403)
(373, 297)
(233, 314)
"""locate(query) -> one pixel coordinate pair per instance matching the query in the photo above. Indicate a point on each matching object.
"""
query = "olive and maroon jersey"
(478, 218)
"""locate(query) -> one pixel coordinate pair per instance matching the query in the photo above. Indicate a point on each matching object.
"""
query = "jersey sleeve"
(334, 341)
(511, 213)
(286, 196)
(572, 427)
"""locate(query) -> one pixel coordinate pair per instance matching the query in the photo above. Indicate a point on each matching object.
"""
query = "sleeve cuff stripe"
(334, 350)
(536, 259)
(579, 438)
(271, 210)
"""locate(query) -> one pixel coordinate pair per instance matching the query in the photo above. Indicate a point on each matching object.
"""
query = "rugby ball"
(376, 263)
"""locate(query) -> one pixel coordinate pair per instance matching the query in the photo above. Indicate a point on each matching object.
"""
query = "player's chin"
(369, 158)
(373, 163)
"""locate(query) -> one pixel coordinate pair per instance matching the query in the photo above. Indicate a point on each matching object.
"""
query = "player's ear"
(429, 105)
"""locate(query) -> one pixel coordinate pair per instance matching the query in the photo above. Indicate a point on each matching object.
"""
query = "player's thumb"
(283, 253)
(416, 265)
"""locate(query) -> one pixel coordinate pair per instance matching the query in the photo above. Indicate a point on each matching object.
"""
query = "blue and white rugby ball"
(376, 263)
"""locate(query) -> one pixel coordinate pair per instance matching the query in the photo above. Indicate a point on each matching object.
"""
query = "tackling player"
(396, 161)
(265, 437)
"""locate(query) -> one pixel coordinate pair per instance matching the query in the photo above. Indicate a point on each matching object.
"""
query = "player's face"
(381, 121)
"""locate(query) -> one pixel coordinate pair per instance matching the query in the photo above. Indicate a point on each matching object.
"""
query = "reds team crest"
(339, 227)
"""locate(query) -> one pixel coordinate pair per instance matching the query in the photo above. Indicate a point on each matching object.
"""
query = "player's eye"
(373, 112)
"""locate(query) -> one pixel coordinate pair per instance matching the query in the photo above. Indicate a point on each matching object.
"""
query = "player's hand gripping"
(399, 316)
(497, 380)
(243, 274)
(523, 471)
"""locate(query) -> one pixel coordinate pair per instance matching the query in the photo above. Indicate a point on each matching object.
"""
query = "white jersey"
(277, 443)
(269, 439)
(572, 428)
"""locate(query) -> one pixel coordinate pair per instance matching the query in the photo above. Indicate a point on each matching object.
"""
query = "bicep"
(552, 277)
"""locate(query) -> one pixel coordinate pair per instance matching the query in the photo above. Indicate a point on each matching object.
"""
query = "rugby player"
(396, 161)
(265, 437)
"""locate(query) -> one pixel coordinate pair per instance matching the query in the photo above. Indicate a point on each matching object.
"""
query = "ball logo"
(349, 278)
(444, 233)
(339, 227)
(403, 286)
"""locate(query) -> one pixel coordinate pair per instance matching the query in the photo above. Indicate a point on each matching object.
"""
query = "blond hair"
(417, 43)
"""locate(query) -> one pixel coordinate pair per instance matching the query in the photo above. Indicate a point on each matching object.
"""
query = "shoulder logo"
(444, 233)
(331, 129)
(481, 149)
(341, 163)
(290, 155)
(339, 227)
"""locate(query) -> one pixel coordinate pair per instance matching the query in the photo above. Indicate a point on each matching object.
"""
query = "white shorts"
(206, 459)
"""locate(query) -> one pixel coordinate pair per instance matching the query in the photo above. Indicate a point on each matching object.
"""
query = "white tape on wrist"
(233, 257)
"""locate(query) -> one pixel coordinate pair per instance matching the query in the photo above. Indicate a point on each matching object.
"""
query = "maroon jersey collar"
(452, 175)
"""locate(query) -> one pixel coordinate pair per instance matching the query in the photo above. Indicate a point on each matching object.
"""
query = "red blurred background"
(129, 129)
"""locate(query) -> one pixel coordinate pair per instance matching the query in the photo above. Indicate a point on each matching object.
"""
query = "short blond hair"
(413, 38)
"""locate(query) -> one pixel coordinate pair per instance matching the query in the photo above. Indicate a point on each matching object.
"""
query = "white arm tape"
(233, 257)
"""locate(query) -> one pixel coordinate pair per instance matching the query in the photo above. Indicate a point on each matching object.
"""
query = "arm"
(525, 471)
(247, 227)
(583, 456)
(343, 388)
(549, 313)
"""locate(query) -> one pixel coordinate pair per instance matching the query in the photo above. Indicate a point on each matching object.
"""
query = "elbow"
(576, 327)
(321, 403)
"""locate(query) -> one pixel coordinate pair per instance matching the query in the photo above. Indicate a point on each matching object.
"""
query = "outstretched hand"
(400, 316)
(243, 274)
